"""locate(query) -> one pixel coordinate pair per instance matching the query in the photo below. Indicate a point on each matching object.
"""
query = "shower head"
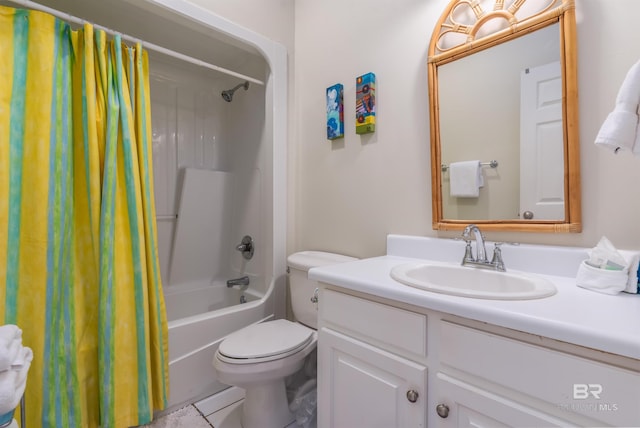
(228, 94)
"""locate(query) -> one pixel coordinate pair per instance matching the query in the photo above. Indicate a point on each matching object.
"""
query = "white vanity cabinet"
(387, 364)
(368, 387)
(460, 404)
(360, 381)
(503, 377)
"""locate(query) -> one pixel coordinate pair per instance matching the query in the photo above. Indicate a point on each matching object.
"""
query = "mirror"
(503, 92)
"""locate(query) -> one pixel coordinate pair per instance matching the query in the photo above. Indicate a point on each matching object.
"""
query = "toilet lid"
(265, 340)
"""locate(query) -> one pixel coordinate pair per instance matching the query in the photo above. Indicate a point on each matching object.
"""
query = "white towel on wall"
(465, 179)
(620, 129)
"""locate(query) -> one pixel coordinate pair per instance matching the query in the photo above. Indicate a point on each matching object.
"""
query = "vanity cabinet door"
(459, 404)
(360, 385)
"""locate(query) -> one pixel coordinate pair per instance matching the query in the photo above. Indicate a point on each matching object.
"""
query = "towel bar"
(492, 164)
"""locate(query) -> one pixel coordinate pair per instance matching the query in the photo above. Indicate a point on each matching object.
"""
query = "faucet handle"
(468, 253)
(497, 257)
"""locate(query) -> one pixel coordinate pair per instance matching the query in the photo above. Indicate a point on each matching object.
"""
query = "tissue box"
(601, 280)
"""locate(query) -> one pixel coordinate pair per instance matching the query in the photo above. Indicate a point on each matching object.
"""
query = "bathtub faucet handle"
(246, 247)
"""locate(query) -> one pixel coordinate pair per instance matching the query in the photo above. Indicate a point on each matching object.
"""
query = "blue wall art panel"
(335, 112)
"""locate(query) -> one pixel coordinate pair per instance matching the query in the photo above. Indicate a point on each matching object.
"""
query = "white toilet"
(259, 357)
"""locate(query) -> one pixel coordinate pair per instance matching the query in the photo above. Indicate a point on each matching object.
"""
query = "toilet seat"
(264, 342)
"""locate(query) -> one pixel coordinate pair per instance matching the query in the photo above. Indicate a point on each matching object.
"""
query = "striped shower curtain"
(79, 267)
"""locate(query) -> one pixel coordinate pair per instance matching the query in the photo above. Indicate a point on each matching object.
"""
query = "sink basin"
(472, 282)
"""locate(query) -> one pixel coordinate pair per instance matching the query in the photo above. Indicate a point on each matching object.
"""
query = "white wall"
(350, 194)
(271, 18)
(346, 196)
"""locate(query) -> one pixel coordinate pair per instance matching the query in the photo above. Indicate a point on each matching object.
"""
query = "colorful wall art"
(365, 103)
(335, 112)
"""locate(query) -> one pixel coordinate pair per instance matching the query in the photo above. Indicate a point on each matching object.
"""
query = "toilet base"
(265, 403)
(271, 396)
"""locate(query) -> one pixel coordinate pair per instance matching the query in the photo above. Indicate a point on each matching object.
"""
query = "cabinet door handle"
(442, 410)
(314, 298)
(412, 395)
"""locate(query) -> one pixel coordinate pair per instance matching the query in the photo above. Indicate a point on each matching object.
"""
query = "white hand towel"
(12, 385)
(24, 358)
(10, 332)
(620, 129)
(10, 344)
(465, 179)
(9, 352)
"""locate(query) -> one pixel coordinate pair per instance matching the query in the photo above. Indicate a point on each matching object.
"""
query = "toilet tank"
(302, 289)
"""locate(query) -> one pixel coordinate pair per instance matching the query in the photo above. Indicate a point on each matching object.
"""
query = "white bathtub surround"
(574, 315)
(199, 297)
(202, 245)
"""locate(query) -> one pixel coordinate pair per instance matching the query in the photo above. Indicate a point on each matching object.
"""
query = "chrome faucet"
(481, 259)
(242, 281)
(481, 252)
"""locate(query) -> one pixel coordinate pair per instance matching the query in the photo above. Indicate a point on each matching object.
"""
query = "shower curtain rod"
(150, 46)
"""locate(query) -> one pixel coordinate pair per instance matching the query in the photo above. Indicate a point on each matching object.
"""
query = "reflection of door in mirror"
(479, 111)
(541, 143)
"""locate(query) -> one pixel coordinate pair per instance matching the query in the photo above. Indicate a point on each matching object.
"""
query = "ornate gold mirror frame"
(453, 39)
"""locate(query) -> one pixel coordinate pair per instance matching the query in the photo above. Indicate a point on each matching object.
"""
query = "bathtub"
(188, 300)
(194, 339)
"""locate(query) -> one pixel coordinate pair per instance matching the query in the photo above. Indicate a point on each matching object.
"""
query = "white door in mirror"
(541, 143)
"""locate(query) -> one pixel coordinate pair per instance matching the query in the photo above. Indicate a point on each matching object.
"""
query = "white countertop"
(609, 323)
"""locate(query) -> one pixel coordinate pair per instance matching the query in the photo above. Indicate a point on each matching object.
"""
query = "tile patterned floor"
(196, 416)
(187, 417)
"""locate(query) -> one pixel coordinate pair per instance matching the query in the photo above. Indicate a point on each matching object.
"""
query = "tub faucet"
(242, 281)
(481, 253)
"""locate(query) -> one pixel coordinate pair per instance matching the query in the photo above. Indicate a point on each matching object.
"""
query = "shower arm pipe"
(150, 46)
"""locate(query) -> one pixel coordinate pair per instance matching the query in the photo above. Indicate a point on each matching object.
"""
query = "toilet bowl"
(259, 357)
